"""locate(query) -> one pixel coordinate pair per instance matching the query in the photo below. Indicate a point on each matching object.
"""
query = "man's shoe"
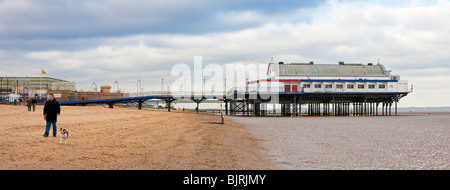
(45, 135)
(54, 135)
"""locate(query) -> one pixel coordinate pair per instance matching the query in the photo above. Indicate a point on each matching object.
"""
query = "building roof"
(36, 78)
(332, 70)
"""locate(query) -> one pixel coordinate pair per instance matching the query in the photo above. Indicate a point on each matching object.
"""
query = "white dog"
(64, 134)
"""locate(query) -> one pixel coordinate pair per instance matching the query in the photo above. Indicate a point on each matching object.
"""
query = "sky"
(102, 41)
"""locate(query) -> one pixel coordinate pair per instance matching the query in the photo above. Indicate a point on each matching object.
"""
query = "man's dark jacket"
(51, 108)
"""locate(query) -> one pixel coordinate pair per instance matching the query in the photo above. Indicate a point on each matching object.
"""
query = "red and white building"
(329, 78)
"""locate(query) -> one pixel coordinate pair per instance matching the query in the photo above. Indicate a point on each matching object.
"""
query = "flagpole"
(40, 86)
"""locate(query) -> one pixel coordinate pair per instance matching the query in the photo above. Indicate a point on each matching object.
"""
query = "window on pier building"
(328, 86)
(339, 86)
(306, 85)
(371, 86)
(317, 85)
(360, 86)
(287, 88)
(350, 86)
(381, 86)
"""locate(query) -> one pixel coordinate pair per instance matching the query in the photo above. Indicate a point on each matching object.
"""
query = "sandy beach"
(126, 138)
(410, 141)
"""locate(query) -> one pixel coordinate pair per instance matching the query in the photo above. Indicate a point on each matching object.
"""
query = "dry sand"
(125, 138)
(411, 141)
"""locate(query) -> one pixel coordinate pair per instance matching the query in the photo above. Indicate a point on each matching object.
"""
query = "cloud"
(409, 38)
(28, 19)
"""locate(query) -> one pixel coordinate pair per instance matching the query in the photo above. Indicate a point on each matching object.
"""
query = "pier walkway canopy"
(168, 99)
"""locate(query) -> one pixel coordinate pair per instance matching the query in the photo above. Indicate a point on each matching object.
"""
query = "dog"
(64, 134)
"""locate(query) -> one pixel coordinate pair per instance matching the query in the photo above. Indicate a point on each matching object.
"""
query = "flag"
(43, 72)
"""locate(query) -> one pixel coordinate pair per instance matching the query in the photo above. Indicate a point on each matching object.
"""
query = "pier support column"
(226, 107)
(361, 109)
(168, 102)
(274, 109)
(263, 109)
(347, 105)
(328, 108)
(366, 108)
(372, 106)
(248, 107)
(299, 106)
(198, 104)
(294, 108)
(314, 109)
(390, 108)
(386, 107)
(200, 100)
(319, 105)
(396, 100)
(232, 107)
(348, 109)
(309, 109)
(338, 109)
(318, 109)
(333, 108)
(257, 109)
(288, 109)
(372, 111)
(353, 109)
(358, 110)
(377, 108)
(140, 104)
(168, 105)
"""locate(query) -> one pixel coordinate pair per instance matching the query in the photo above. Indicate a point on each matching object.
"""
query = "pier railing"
(176, 93)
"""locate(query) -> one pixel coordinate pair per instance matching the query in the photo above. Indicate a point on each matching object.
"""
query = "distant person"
(15, 101)
(34, 101)
(20, 101)
(51, 112)
(29, 102)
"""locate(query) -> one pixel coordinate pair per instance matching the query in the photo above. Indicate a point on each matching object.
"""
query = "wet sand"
(126, 138)
(414, 141)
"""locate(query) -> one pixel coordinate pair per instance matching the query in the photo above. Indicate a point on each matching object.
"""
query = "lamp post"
(94, 89)
(117, 85)
(138, 86)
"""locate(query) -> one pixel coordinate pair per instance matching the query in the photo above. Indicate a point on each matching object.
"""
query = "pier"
(292, 104)
(296, 89)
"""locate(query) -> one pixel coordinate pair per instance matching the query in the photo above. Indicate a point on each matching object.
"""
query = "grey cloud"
(400, 37)
(24, 19)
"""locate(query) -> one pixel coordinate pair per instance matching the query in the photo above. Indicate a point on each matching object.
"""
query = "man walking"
(51, 112)
(34, 104)
(29, 102)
